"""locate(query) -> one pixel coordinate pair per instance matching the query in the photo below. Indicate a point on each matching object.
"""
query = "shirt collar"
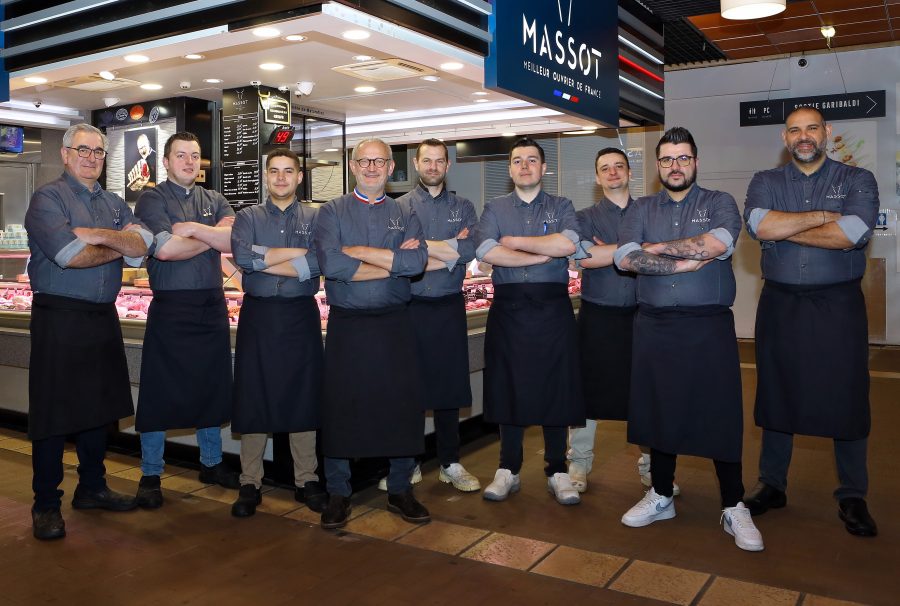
(178, 189)
(795, 173)
(79, 187)
(666, 199)
(270, 206)
(517, 201)
(366, 199)
(421, 187)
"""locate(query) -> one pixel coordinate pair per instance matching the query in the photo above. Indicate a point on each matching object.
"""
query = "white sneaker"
(737, 522)
(415, 478)
(461, 479)
(578, 476)
(561, 486)
(647, 479)
(504, 484)
(651, 508)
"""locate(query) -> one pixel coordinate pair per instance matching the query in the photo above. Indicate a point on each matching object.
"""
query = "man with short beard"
(813, 218)
(686, 376)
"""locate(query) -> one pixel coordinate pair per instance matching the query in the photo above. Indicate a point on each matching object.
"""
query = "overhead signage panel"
(841, 106)
(561, 54)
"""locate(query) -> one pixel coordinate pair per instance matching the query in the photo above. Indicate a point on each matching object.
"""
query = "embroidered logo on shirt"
(455, 216)
(551, 217)
(302, 229)
(206, 211)
(395, 224)
(836, 192)
(702, 216)
(116, 220)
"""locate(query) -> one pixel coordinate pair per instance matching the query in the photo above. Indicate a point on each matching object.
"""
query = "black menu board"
(240, 145)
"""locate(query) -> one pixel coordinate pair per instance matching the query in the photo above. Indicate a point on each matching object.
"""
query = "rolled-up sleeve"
(246, 255)
(569, 222)
(333, 263)
(487, 232)
(860, 209)
(725, 222)
(409, 263)
(146, 236)
(757, 204)
(631, 234)
(151, 211)
(48, 226)
(312, 258)
(466, 246)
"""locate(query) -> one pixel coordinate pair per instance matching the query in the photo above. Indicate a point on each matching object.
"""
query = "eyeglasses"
(667, 161)
(85, 152)
(378, 162)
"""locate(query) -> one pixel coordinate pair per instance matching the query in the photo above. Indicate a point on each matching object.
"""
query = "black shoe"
(220, 474)
(102, 499)
(336, 513)
(47, 525)
(149, 493)
(313, 495)
(249, 497)
(763, 498)
(856, 517)
(408, 507)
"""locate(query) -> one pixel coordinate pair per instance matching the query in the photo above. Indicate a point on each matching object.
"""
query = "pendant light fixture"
(751, 9)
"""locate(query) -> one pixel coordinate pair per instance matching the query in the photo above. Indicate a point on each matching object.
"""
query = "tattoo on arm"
(642, 262)
(689, 248)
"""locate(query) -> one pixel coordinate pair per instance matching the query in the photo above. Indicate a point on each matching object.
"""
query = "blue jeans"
(153, 444)
(337, 476)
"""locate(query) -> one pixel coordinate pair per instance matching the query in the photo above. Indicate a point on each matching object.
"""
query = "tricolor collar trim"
(366, 200)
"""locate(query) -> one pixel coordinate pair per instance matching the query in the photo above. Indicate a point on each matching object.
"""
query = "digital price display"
(281, 135)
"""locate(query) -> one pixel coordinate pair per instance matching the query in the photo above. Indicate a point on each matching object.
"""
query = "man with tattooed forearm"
(685, 381)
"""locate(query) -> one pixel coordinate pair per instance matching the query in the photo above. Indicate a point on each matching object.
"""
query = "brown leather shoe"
(763, 498)
(408, 507)
(855, 514)
(48, 525)
(336, 513)
(149, 493)
(102, 499)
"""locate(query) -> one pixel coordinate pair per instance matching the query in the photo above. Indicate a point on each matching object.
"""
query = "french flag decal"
(566, 96)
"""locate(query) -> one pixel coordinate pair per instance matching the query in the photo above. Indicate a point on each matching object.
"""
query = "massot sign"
(557, 53)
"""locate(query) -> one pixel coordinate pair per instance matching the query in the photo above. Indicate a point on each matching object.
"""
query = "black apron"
(812, 358)
(278, 366)
(186, 362)
(686, 382)
(78, 375)
(443, 346)
(372, 404)
(531, 369)
(604, 338)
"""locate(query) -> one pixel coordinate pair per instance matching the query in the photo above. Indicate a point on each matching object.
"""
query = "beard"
(810, 156)
(431, 180)
(688, 181)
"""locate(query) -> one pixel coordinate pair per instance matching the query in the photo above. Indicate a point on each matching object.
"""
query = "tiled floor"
(527, 550)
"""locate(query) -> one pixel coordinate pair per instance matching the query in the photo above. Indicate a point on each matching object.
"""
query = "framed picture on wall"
(140, 161)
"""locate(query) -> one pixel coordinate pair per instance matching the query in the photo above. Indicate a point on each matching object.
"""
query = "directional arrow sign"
(841, 106)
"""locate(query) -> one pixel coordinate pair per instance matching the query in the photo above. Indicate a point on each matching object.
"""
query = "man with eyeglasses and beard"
(368, 248)
(813, 218)
(686, 377)
(78, 382)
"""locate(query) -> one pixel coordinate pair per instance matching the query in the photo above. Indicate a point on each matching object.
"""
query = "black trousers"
(446, 434)
(511, 438)
(731, 484)
(47, 466)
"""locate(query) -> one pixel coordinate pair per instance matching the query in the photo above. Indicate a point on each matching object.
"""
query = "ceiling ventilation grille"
(384, 69)
(94, 83)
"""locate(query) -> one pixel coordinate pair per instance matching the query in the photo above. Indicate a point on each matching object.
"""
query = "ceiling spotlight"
(35, 80)
(479, 93)
(107, 75)
(213, 80)
(194, 57)
(451, 66)
(828, 31)
(751, 9)
(136, 58)
(363, 57)
(271, 67)
(389, 110)
(482, 100)
(295, 38)
(508, 134)
(431, 78)
(589, 129)
(110, 101)
(266, 32)
(331, 149)
(151, 86)
(365, 89)
(355, 34)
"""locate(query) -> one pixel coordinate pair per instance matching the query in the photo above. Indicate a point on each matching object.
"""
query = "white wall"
(707, 100)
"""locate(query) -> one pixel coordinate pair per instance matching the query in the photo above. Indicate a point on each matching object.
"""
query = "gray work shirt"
(348, 221)
(168, 203)
(835, 187)
(658, 218)
(55, 209)
(258, 228)
(509, 216)
(442, 218)
(605, 285)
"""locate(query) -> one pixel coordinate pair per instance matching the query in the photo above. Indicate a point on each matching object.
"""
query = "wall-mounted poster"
(854, 143)
(140, 161)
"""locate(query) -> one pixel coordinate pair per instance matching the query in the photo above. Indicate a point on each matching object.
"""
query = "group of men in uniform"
(654, 343)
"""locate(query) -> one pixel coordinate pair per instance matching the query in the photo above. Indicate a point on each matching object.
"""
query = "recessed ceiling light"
(331, 149)
(355, 34)
(431, 78)
(365, 89)
(136, 58)
(363, 57)
(213, 80)
(589, 129)
(194, 57)
(295, 38)
(151, 86)
(107, 75)
(266, 32)
(271, 67)
(508, 134)
(577, 132)
(389, 110)
(451, 66)
(481, 100)
(35, 80)
(480, 93)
